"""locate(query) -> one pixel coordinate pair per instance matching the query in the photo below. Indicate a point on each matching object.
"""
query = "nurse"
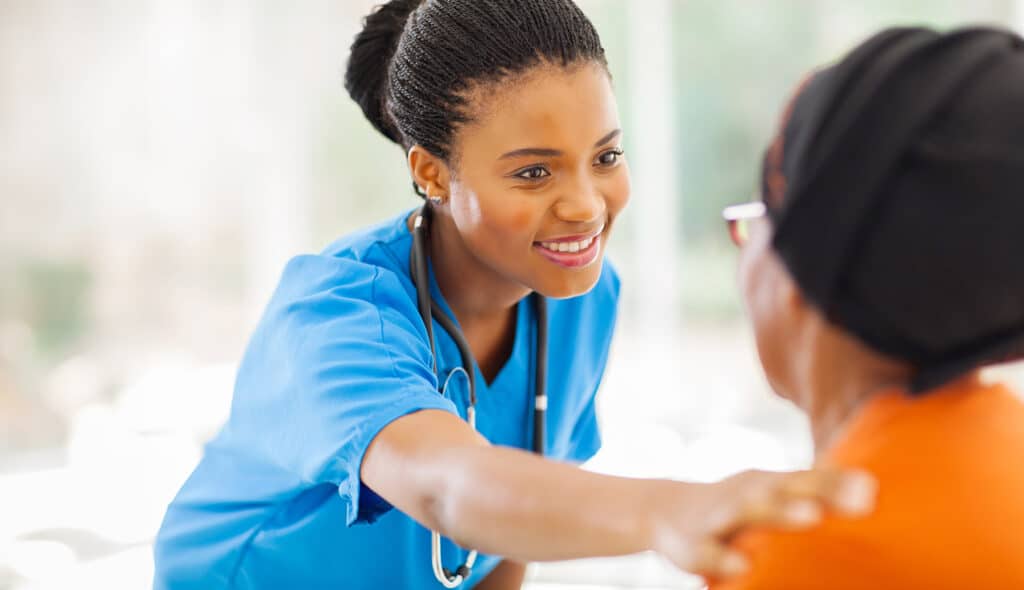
(348, 441)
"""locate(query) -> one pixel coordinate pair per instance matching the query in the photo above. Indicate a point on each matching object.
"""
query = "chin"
(568, 284)
(781, 389)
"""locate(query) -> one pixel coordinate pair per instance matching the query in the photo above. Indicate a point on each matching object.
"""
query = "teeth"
(568, 247)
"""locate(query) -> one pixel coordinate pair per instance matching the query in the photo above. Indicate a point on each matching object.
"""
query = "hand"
(693, 529)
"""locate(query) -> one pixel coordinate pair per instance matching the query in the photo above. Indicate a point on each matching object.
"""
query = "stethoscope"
(429, 309)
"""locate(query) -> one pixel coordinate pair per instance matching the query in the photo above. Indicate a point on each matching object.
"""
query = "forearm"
(508, 502)
(436, 469)
(511, 503)
(509, 575)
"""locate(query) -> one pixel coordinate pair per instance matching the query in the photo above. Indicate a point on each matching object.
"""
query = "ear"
(429, 172)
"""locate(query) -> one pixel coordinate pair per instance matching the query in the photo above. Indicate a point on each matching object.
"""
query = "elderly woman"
(883, 269)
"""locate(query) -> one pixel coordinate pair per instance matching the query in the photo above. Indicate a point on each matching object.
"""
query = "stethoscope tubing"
(430, 311)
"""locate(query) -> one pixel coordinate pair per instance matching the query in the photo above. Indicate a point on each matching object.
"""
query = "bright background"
(161, 159)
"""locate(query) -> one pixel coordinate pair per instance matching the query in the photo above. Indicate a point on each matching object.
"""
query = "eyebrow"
(550, 153)
(608, 138)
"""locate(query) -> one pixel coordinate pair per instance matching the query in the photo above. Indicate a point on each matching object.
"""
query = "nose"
(582, 202)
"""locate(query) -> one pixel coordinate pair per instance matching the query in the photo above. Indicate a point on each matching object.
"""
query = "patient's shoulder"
(823, 558)
(949, 497)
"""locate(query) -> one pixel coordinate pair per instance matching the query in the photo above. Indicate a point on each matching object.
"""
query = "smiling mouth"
(576, 253)
(570, 247)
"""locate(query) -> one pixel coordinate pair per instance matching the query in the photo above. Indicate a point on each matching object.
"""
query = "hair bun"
(372, 51)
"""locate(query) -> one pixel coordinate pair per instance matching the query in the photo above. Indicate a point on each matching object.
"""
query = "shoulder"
(937, 435)
(349, 319)
(827, 557)
(356, 292)
(389, 237)
(316, 281)
(368, 265)
(944, 499)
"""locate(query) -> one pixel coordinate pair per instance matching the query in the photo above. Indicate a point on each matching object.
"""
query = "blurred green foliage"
(53, 298)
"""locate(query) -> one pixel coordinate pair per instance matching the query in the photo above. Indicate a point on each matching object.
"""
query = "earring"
(436, 200)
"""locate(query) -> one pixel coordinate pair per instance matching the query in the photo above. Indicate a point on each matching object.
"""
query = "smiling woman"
(354, 399)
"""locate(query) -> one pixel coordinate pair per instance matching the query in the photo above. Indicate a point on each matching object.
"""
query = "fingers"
(771, 509)
(713, 561)
(719, 562)
(790, 513)
(850, 493)
(794, 500)
(759, 499)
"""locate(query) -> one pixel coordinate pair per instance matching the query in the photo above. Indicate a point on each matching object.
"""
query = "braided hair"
(414, 62)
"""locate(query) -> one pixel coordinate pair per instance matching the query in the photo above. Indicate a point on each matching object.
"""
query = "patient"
(883, 270)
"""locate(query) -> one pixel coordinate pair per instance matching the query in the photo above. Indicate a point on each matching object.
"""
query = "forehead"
(549, 106)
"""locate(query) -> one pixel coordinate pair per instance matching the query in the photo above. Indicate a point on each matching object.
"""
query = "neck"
(475, 292)
(841, 376)
(483, 302)
(829, 419)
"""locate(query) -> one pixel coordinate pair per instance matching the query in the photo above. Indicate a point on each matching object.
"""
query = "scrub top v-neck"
(340, 353)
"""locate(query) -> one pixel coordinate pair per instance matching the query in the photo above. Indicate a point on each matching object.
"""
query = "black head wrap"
(896, 188)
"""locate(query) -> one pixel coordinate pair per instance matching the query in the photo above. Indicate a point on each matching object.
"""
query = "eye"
(532, 173)
(610, 157)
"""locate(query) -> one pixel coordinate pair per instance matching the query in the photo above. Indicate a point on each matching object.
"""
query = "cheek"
(617, 192)
(752, 288)
(490, 218)
(466, 208)
(766, 313)
(747, 279)
(519, 220)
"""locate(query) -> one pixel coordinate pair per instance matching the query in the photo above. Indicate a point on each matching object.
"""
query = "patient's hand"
(696, 527)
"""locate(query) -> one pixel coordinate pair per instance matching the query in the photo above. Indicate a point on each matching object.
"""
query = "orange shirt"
(950, 511)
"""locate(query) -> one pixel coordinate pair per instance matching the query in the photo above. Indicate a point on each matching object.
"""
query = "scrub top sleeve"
(358, 360)
(411, 388)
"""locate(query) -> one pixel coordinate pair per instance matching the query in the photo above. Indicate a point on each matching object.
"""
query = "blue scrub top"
(341, 351)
